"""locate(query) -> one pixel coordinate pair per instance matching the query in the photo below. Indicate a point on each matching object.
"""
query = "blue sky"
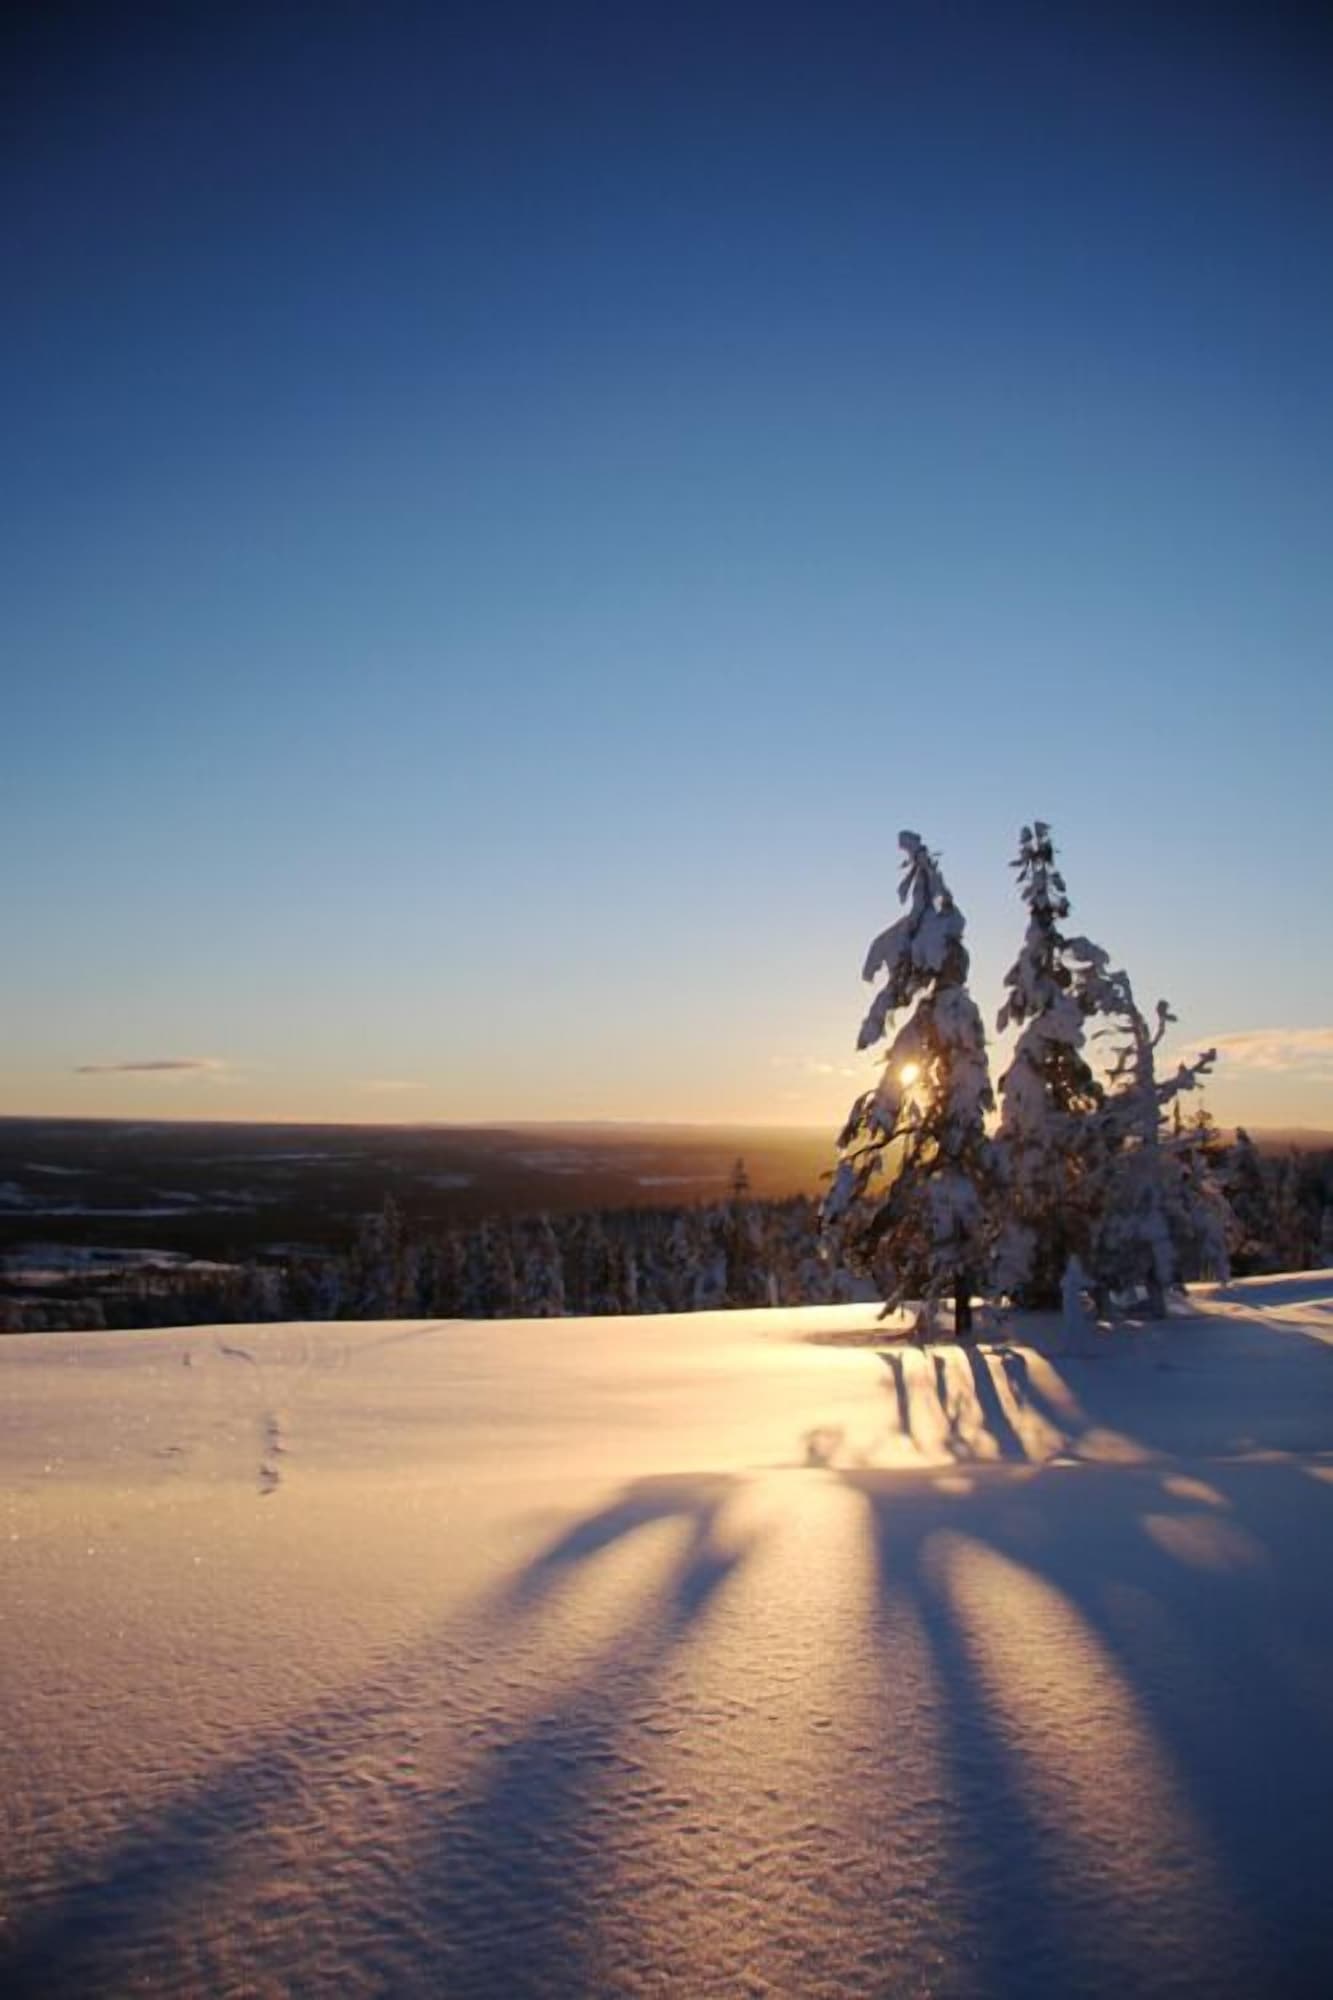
(511, 509)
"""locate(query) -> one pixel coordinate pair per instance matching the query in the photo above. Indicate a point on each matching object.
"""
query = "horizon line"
(1318, 1133)
(428, 1124)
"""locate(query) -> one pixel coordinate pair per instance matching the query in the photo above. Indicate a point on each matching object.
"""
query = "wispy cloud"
(390, 1083)
(157, 1066)
(812, 1066)
(1303, 1051)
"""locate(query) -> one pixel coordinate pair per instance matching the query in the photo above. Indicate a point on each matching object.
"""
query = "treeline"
(741, 1252)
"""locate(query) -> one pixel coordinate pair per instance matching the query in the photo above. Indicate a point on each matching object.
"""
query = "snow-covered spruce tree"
(624, 1277)
(907, 1206)
(710, 1283)
(1249, 1191)
(1204, 1228)
(1046, 1144)
(489, 1287)
(541, 1274)
(1139, 1200)
(1295, 1215)
(590, 1283)
(1323, 1247)
(747, 1281)
(378, 1265)
(441, 1280)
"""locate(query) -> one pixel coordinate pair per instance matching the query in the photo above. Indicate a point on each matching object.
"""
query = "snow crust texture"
(737, 1654)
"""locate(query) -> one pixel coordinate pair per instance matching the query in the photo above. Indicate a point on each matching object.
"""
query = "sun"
(909, 1073)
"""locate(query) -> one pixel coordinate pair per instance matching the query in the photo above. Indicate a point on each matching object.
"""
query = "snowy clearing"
(735, 1653)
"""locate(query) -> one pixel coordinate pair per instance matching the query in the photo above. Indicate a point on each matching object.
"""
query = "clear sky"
(509, 509)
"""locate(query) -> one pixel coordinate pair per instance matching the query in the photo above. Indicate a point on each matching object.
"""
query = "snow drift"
(739, 1653)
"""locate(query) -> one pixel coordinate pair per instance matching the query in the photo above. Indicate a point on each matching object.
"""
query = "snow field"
(740, 1653)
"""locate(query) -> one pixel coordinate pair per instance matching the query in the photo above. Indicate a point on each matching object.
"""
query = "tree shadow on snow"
(696, 1499)
(513, 1881)
(1134, 1658)
(1182, 1388)
(1131, 1668)
(947, 1402)
(508, 1869)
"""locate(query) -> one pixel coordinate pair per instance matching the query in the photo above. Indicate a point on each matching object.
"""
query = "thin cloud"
(812, 1066)
(1301, 1051)
(390, 1083)
(156, 1066)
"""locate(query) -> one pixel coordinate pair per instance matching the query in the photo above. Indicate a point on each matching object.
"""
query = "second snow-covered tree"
(1048, 1136)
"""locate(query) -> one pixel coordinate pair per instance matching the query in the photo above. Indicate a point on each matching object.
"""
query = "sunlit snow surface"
(713, 1655)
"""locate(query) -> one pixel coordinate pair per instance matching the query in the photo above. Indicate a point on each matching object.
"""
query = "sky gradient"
(511, 509)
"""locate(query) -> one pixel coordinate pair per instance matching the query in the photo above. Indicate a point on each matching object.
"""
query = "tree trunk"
(962, 1304)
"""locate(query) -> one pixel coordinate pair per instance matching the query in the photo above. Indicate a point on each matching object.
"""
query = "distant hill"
(229, 1189)
(1289, 1138)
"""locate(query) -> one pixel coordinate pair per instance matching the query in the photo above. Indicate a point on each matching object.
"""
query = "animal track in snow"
(272, 1447)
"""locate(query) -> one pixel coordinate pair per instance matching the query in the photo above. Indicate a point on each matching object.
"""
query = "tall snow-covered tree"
(1048, 1095)
(1139, 1198)
(907, 1205)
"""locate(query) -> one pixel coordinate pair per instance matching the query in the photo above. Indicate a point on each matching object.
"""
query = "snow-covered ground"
(705, 1656)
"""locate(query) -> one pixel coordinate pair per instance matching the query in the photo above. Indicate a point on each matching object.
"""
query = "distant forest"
(740, 1250)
